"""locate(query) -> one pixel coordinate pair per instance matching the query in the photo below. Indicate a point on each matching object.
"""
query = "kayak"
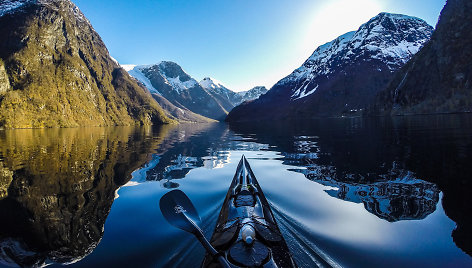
(246, 233)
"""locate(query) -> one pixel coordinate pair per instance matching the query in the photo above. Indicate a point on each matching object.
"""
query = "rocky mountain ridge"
(170, 81)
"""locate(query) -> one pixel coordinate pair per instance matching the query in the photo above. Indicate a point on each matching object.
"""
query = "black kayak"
(246, 233)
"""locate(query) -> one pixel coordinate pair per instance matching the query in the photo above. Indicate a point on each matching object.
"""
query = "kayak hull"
(246, 233)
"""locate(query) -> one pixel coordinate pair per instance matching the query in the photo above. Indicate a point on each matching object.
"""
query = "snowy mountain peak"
(388, 39)
(211, 83)
(178, 88)
(171, 74)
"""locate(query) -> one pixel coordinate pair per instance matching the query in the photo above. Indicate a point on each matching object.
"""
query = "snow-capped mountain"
(235, 98)
(226, 97)
(390, 38)
(252, 94)
(343, 76)
(170, 81)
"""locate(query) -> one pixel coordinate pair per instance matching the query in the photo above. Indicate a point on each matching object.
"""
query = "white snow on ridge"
(214, 85)
(179, 86)
(135, 72)
(209, 82)
(128, 67)
(322, 55)
(115, 61)
(252, 94)
(175, 82)
(390, 38)
(303, 94)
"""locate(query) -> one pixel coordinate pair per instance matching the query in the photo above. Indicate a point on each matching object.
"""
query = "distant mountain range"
(209, 97)
(343, 76)
(55, 71)
(169, 80)
(235, 98)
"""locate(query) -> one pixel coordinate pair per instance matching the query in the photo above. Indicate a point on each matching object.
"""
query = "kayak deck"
(246, 233)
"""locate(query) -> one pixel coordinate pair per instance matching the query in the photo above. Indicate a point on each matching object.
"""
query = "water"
(351, 192)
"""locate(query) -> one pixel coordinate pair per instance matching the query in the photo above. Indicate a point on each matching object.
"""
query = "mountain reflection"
(397, 195)
(190, 146)
(396, 166)
(57, 187)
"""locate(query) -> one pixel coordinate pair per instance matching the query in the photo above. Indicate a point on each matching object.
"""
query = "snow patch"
(209, 82)
(303, 94)
(128, 67)
(135, 72)
(180, 86)
(115, 61)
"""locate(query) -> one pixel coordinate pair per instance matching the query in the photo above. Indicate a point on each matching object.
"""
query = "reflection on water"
(382, 189)
(393, 196)
(193, 146)
(427, 154)
(396, 196)
(57, 187)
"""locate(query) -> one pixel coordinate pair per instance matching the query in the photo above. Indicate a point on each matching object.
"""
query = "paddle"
(179, 211)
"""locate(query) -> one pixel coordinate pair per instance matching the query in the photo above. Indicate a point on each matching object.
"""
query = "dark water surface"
(352, 192)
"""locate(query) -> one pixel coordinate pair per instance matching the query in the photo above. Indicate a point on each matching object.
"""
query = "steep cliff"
(439, 78)
(55, 71)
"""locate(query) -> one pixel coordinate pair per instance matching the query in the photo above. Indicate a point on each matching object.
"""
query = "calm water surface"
(353, 192)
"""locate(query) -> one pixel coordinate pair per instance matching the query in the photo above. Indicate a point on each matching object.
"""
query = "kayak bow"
(246, 233)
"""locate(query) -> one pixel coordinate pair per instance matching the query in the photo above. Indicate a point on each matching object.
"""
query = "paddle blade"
(179, 211)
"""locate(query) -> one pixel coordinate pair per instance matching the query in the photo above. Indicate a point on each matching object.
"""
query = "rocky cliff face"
(342, 76)
(174, 84)
(55, 71)
(439, 78)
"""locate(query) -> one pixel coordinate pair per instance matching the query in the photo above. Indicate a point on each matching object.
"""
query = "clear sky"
(242, 43)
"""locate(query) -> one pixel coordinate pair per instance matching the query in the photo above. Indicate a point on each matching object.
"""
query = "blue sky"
(242, 43)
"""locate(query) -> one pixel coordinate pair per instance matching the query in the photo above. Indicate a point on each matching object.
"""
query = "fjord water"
(353, 192)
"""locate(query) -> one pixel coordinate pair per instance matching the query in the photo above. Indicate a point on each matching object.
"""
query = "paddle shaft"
(210, 249)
